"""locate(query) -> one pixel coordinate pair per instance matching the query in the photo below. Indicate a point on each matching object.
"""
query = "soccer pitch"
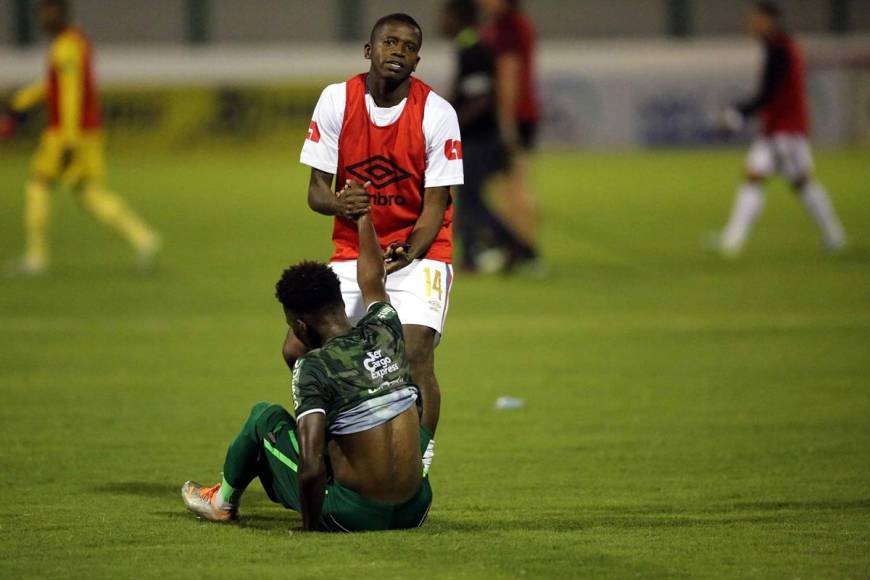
(685, 416)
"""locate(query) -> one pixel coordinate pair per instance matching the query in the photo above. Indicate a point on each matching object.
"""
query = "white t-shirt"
(440, 125)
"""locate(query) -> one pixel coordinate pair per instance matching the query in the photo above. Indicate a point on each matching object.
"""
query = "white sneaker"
(712, 242)
(25, 267)
(146, 256)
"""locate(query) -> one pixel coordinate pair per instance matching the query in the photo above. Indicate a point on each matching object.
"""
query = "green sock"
(240, 465)
(229, 494)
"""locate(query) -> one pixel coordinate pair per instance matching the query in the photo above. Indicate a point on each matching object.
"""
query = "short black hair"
(399, 17)
(769, 8)
(308, 288)
(464, 10)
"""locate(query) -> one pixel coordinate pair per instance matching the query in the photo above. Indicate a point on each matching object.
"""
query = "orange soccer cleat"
(204, 502)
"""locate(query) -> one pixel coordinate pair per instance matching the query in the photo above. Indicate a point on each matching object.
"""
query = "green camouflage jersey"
(359, 380)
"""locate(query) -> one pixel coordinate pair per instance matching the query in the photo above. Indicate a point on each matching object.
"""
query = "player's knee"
(256, 412)
(39, 180)
(753, 177)
(799, 182)
(86, 198)
(258, 409)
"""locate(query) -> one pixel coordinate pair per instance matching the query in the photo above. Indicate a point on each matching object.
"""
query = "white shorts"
(785, 153)
(420, 292)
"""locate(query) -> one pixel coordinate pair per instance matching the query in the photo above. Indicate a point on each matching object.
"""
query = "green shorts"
(343, 509)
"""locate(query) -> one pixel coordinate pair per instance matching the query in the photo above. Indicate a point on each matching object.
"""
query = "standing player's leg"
(45, 169)
(37, 218)
(420, 293)
(484, 236)
(108, 207)
(799, 170)
(522, 204)
(420, 350)
(420, 342)
(266, 448)
(749, 201)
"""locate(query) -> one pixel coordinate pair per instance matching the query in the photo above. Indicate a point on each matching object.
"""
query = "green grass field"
(686, 417)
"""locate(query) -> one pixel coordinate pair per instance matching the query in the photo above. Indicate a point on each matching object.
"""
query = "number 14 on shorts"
(433, 283)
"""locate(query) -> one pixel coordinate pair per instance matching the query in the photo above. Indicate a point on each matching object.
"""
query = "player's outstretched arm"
(370, 271)
(29, 97)
(13, 113)
(350, 202)
(508, 68)
(311, 431)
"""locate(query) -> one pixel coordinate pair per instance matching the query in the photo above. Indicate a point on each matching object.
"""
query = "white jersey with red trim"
(440, 130)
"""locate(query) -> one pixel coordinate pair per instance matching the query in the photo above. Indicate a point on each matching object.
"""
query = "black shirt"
(474, 87)
(776, 66)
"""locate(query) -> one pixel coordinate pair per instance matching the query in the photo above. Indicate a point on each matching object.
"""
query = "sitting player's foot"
(204, 502)
(147, 253)
(25, 267)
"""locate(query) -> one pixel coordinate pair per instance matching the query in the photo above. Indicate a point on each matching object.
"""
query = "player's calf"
(818, 205)
(420, 351)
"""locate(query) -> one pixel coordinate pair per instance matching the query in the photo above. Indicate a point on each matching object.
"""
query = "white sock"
(428, 456)
(818, 205)
(747, 207)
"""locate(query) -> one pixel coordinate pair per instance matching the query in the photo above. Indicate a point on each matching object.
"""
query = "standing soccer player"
(486, 240)
(783, 146)
(71, 148)
(511, 38)
(385, 141)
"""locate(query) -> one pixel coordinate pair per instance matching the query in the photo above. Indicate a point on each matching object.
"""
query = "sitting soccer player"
(352, 459)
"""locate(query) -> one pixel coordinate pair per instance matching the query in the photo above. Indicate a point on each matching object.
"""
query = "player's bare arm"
(370, 271)
(311, 432)
(435, 202)
(14, 112)
(351, 202)
(507, 71)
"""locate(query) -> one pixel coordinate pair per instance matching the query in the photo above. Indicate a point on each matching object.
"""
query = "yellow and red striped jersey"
(70, 89)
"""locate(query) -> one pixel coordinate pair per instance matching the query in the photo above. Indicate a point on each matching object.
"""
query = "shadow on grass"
(262, 515)
(139, 488)
(258, 514)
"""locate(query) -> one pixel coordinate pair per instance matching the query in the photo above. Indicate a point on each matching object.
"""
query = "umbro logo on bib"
(379, 170)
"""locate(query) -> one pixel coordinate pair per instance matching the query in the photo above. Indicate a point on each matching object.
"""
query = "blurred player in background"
(783, 146)
(385, 141)
(71, 148)
(511, 38)
(486, 240)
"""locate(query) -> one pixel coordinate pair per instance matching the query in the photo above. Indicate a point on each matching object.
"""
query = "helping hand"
(353, 200)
